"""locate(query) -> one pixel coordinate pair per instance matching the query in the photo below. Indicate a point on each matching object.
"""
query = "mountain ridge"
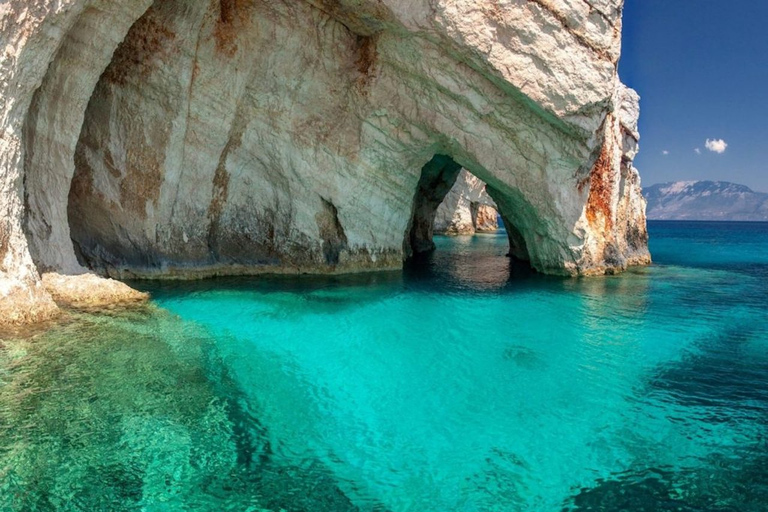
(705, 200)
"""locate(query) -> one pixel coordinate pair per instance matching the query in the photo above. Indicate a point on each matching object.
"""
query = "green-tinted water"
(460, 384)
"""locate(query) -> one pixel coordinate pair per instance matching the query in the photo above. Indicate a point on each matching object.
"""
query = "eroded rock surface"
(184, 138)
(467, 208)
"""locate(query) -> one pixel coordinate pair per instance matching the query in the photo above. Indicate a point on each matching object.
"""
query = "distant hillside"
(705, 200)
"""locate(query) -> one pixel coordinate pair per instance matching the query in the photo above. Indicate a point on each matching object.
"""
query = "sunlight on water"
(462, 383)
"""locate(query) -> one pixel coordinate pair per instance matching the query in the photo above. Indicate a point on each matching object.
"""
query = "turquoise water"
(463, 383)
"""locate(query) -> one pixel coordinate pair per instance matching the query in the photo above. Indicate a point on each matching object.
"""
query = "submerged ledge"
(360, 263)
(21, 314)
(96, 294)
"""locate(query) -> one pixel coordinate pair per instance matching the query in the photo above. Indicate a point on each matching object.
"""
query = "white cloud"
(665, 152)
(716, 145)
(698, 151)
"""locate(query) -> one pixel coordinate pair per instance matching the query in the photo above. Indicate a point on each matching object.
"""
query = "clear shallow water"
(459, 384)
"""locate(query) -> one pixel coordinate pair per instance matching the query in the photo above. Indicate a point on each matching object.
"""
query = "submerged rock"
(139, 411)
(88, 291)
(185, 138)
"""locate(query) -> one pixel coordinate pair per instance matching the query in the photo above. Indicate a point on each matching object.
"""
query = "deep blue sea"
(463, 383)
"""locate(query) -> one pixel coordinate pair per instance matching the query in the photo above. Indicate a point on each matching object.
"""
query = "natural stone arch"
(554, 143)
(53, 124)
(437, 178)
(234, 190)
(467, 208)
(157, 155)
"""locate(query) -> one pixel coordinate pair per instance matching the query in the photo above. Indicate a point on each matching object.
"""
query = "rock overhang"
(209, 137)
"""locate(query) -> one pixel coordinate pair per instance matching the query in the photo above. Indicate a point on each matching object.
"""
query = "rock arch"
(467, 208)
(437, 178)
(242, 136)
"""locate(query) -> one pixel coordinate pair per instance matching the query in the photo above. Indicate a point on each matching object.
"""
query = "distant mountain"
(705, 200)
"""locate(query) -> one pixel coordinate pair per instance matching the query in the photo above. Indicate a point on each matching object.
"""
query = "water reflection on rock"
(473, 264)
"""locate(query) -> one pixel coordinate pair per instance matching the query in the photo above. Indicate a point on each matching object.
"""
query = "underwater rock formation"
(466, 209)
(188, 138)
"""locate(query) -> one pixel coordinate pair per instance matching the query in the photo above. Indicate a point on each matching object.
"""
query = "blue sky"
(701, 68)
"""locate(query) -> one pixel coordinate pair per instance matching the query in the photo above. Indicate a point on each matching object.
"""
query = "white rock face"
(182, 138)
(467, 208)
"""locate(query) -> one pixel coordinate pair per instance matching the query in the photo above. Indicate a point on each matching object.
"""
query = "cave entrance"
(158, 177)
(451, 200)
(467, 208)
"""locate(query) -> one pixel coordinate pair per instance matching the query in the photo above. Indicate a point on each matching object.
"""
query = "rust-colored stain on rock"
(148, 37)
(233, 16)
(143, 178)
(600, 180)
(220, 190)
(5, 238)
(367, 55)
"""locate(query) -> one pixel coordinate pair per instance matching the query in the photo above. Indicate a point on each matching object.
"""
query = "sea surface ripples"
(465, 382)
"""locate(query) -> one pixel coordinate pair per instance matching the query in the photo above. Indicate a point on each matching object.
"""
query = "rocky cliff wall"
(467, 208)
(183, 138)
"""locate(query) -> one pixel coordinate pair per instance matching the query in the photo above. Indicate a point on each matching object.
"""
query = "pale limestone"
(89, 291)
(234, 136)
(467, 208)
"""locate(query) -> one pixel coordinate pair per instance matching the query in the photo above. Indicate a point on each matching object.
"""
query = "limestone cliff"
(183, 138)
(466, 209)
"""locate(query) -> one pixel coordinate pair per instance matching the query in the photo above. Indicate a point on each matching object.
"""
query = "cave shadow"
(479, 261)
(454, 271)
